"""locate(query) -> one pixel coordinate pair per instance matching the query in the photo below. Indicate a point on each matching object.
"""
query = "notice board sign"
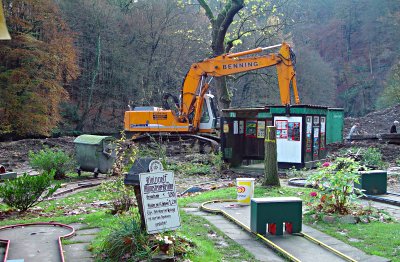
(160, 205)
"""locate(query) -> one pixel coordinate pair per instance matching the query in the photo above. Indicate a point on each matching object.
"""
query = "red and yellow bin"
(245, 190)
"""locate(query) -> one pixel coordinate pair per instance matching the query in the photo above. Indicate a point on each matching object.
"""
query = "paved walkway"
(299, 247)
(78, 251)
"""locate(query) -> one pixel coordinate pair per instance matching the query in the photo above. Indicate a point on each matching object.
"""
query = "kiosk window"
(251, 128)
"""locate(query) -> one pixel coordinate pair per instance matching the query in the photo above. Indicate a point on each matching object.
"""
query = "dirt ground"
(14, 155)
(376, 122)
(390, 152)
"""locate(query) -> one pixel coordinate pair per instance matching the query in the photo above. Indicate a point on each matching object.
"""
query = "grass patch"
(73, 176)
(380, 239)
(195, 228)
(374, 238)
(198, 229)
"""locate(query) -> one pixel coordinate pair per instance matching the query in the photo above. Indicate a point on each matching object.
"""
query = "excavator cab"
(208, 120)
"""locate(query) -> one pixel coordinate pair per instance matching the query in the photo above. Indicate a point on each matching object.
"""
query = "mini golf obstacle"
(293, 244)
(36, 242)
(374, 183)
(276, 212)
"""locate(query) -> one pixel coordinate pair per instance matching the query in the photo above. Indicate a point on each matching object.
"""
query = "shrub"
(372, 157)
(126, 153)
(27, 191)
(121, 196)
(129, 242)
(335, 184)
(49, 159)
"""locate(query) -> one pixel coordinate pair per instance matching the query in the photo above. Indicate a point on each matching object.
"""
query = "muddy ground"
(376, 122)
(14, 155)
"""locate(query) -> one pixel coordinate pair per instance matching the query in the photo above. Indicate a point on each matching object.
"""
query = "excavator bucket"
(4, 35)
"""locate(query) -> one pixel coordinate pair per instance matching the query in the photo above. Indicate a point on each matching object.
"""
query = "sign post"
(156, 195)
(160, 205)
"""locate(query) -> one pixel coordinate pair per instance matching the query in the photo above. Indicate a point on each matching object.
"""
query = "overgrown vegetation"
(126, 153)
(335, 185)
(128, 242)
(27, 191)
(370, 157)
(121, 196)
(52, 159)
(198, 164)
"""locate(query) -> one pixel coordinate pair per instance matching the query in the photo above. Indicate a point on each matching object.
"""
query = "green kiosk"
(302, 132)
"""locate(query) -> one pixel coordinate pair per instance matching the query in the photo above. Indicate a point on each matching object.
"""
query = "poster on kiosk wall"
(288, 138)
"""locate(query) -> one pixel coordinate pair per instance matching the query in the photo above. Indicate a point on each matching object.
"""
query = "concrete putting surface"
(34, 243)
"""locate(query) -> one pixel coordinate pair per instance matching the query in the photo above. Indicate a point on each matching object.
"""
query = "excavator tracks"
(179, 143)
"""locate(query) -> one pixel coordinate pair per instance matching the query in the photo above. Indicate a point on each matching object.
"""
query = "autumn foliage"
(35, 66)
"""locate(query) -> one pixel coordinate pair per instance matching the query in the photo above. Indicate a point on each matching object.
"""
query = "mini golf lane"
(298, 248)
(34, 242)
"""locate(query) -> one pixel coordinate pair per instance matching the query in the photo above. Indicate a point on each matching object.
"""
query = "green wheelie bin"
(94, 153)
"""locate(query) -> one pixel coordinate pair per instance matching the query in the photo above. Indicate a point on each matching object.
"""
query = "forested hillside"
(74, 66)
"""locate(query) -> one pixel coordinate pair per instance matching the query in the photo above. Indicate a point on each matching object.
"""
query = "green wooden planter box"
(374, 182)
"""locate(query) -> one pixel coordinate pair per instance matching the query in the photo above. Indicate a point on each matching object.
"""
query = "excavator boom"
(194, 108)
(193, 89)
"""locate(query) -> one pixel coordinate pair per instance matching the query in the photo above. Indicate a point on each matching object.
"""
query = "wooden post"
(271, 177)
(138, 195)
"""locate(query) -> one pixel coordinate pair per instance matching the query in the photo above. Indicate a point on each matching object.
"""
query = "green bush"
(188, 168)
(372, 157)
(27, 191)
(49, 159)
(335, 184)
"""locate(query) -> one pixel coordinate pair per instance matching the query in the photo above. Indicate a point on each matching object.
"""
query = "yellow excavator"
(4, 35)
(195, 114)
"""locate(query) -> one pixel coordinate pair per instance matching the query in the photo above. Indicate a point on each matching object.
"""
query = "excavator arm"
(195, 85)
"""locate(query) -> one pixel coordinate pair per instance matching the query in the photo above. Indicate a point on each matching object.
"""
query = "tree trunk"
(271, 177)
(220, 25)
(222, 93)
